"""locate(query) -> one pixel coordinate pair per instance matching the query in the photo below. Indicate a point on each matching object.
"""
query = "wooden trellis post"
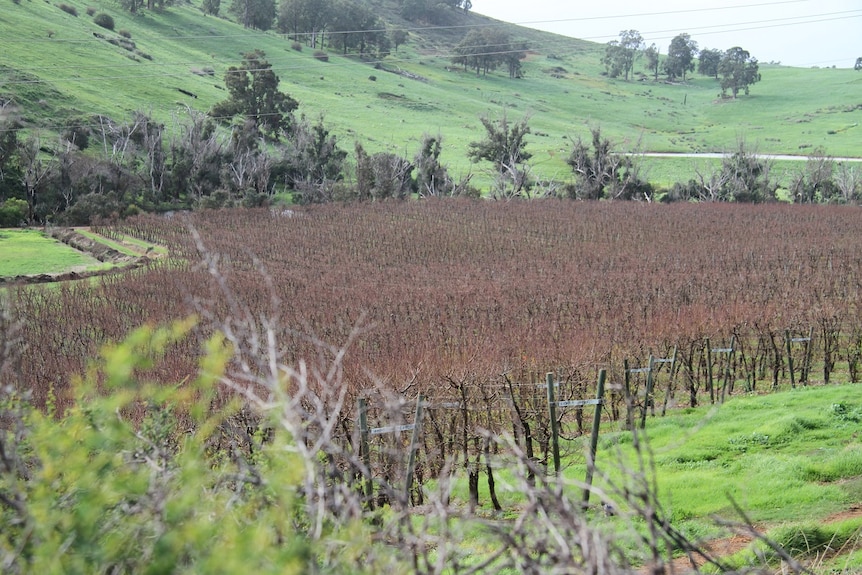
(365, 454)
(365, 431)
(709, 372)
(594, 436)
(672, 361)
(648, 392)
(628, 392)
(806, 362)
(725, 373)
(414, 441)
(555, 433)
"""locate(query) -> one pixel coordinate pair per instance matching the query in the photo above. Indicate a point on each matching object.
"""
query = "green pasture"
(29, 252)
(26, 252)
(60, 74)
(788, 459)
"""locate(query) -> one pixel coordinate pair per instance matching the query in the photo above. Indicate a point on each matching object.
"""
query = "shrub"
(122, 43)
(79, 136)
(321, 55)
(104, 20)
(296, 46)
(373, 78)
(69, 9)
(91, 11)
(13, 212)
(125, 33)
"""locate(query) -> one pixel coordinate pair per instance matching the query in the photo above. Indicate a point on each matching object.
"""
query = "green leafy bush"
(104, 20)
(13, 212)
(69, 9)
(114, 486)
(844, 412)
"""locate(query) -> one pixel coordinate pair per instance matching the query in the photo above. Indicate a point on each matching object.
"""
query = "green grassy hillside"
(60, 73)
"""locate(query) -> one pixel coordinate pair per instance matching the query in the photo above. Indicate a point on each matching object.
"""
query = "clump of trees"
(620, 55)
(742, 177)
(601, 173)
(246, 152)
(735, 68)
(432, 11)
(822, 180)
(342, 24)
(486, 49)
(257, 14)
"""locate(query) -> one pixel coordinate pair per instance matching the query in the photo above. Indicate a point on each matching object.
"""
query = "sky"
(802, 33)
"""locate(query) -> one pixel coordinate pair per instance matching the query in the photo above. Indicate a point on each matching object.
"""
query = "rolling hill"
(61, 70)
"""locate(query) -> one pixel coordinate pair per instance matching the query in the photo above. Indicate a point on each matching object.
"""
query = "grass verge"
(29, 252)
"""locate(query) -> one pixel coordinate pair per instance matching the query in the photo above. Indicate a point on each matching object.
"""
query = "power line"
(325, 32)
(442, 28)
(527, 46)
(703, 30)
(663, 13)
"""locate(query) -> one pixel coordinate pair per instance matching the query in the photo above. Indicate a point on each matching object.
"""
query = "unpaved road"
(717, 156)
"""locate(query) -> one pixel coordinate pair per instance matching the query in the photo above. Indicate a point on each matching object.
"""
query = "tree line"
(736, 69)
(486, 49)
(105, 167)
(263, 153)
(343, 24)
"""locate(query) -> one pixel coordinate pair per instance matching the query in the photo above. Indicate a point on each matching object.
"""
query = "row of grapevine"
(469, 303)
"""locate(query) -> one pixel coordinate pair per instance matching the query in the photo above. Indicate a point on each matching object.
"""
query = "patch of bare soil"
(716, 548)
(103, 253)
(727, 546)
(852, 513)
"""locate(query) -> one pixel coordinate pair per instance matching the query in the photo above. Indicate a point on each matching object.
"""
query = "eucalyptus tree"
(257, 14)
(680, 57)
(620, 55)
(738, 71)
(308, 19)
(254, 94)
(652, 60)
(708, 61)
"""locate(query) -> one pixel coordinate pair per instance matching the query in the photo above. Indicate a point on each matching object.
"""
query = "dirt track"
(728, 546)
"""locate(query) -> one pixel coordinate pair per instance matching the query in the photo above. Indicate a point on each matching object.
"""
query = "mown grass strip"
(138, 247)
(29, 252)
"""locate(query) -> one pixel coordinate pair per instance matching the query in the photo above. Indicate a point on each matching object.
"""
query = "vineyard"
(471, 304)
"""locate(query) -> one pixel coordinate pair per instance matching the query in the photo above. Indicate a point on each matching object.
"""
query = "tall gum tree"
(253, 89)
(738, 71)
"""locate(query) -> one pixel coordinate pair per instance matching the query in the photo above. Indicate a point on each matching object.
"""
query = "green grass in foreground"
(26, 252)
(788, 459)
(826, 548)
